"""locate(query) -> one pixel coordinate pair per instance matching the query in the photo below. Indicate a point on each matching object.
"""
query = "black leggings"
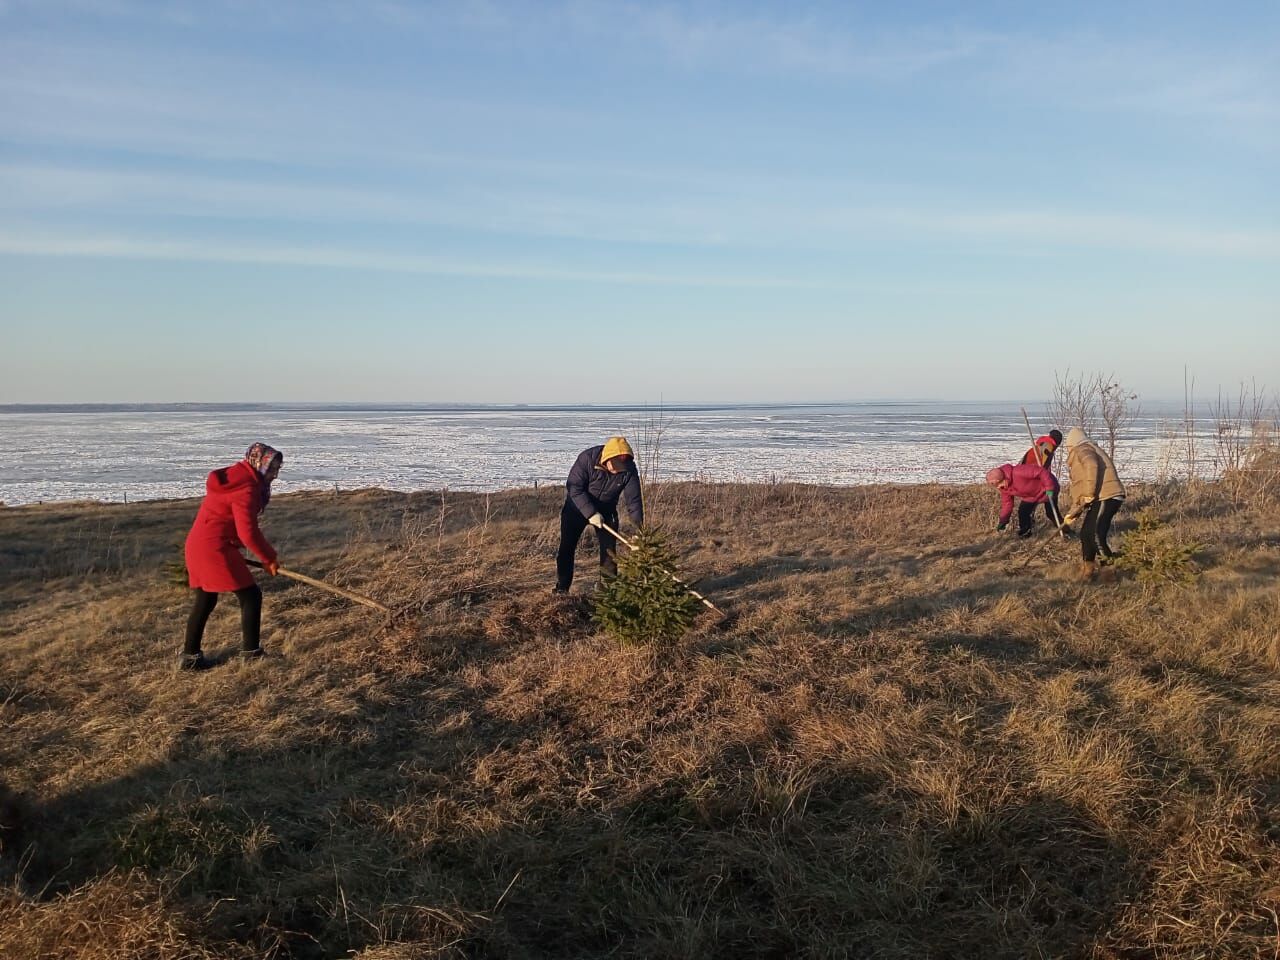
(1026, 517)
(572, 523)
(1096, 526)
(250, 617)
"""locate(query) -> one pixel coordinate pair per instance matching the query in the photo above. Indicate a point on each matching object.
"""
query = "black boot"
(194, 661)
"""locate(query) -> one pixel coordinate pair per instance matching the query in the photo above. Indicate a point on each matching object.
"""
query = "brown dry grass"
(900, 745)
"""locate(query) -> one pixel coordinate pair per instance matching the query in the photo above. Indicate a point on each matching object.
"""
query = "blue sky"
(600, 201)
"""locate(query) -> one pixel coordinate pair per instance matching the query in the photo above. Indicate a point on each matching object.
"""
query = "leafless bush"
(1245, 458)
(1097, 403)
(1118, 409)
(650, 430)
(1074, 402)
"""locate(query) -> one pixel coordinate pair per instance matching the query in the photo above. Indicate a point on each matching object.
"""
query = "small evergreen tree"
(1154, 553)
(643, 604)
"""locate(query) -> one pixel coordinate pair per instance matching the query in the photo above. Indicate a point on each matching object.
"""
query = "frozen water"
(149, 452)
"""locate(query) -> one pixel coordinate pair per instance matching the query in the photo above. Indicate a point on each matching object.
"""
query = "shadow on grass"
(434, 822)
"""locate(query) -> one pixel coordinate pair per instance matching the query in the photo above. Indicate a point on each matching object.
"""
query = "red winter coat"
(1028, 483)
(228, 520)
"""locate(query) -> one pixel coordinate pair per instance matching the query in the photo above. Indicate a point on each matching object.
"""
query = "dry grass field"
(906, 741)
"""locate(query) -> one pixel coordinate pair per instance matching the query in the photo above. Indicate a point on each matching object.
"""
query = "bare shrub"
(1245, 457)
(1075, 400)
(1097, 403)
(1260, 476)
(650, 431)
(1117, 409)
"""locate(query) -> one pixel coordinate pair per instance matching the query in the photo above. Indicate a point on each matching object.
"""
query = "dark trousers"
(250, 617)
(572, 523)
(1026, 517)
(1096, 526)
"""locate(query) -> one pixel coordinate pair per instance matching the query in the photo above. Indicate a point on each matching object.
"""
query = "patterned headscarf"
(261, 457)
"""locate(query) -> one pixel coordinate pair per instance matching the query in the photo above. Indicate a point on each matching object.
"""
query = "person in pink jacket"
(1029, 483)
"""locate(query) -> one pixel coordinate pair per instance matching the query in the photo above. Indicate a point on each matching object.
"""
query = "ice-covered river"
(114, 452)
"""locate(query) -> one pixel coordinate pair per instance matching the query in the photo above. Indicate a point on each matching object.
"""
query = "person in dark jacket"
(228, 520)
(601, 476)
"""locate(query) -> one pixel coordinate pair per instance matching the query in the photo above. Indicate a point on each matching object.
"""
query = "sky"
(596, 201)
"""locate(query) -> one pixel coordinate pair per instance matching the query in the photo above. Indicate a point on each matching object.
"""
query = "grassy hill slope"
(906, 742)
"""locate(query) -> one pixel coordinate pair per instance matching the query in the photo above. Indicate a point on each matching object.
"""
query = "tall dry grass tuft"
(115, 917)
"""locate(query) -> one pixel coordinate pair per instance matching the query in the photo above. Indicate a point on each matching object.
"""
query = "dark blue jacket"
(593, 489)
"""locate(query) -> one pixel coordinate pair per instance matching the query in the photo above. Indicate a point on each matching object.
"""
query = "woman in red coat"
(227, 521)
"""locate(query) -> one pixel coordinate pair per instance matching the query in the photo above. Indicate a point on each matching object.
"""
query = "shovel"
(328, 587)
(1035, 554)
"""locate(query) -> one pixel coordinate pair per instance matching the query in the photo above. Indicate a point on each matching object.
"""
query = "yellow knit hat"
(616, 447)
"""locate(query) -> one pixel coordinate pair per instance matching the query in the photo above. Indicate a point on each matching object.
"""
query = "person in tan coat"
(1096, 494)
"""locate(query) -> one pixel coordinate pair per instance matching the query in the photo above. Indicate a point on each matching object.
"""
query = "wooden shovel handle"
(329, 587)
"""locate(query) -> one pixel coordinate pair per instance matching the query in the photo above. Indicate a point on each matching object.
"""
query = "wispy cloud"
(1104, 231)
(1141, 72)
(775, 213)
(1140, 76)
(69, 88)
(120, 247)
(473, 162)
(782, 39)
(1231, 93)
(1141, 68)
(174, 11)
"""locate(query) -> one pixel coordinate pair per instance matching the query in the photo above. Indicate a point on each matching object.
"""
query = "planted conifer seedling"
(644, 605)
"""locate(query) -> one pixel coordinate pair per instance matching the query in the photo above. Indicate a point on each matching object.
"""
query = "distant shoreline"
(1164, 406)
(433, 407)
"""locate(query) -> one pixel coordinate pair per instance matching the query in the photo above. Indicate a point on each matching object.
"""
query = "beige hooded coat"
(1093, 475)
